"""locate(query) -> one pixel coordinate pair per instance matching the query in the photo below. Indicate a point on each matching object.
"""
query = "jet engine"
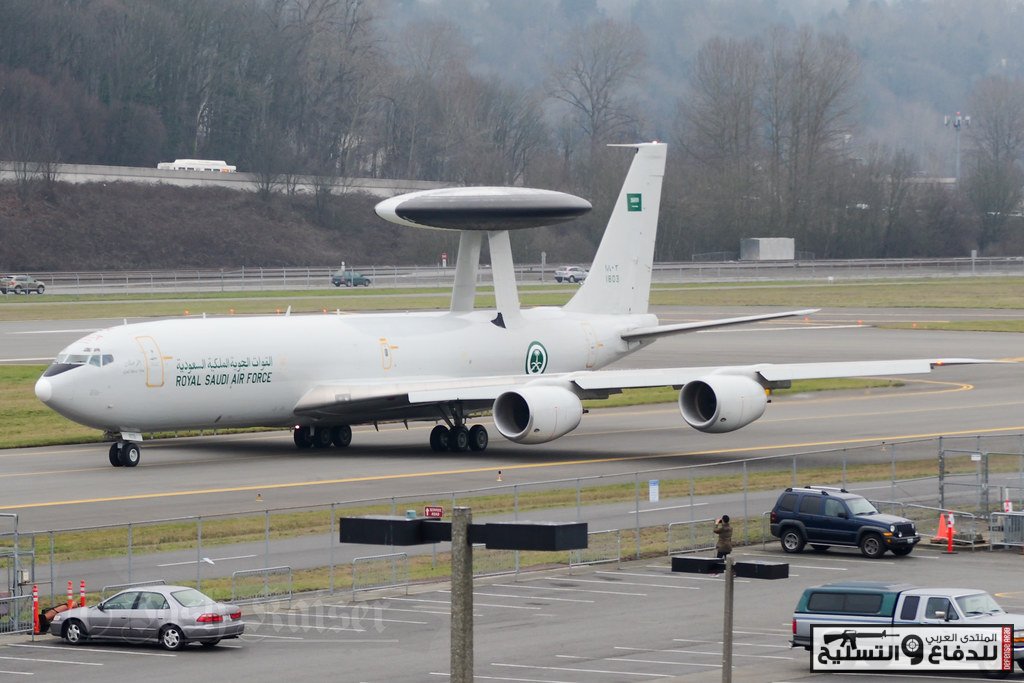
(721, 403)
(537, 414)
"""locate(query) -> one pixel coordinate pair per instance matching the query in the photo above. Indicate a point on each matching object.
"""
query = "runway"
(59, 487)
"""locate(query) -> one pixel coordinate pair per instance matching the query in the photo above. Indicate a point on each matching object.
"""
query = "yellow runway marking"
(506, 468)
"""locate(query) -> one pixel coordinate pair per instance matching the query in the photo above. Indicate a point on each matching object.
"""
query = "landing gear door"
(154, 361)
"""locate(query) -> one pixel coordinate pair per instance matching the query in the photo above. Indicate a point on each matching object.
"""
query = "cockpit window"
(94, 360)
(107, 359)
(73, 358)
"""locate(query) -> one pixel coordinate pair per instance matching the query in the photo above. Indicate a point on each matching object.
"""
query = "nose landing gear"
(125, 454)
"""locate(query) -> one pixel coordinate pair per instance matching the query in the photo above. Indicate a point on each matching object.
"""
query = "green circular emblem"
(536, 358)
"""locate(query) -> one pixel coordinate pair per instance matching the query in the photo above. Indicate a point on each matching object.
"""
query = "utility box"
(767, 249)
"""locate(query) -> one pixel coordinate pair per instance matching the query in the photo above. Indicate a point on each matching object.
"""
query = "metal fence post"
(942, 475)
(892, 470)
(845, 453)
(794, 484)
(266, 549)
(199, 553)
(578, 511)
(330, 542)
(52, 582)
(746, 531)
(636, 478)
(129, 552)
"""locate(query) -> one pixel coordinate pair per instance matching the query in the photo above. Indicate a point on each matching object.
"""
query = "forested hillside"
(815, 119)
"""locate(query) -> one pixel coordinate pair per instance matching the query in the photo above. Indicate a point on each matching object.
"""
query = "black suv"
(825, 517)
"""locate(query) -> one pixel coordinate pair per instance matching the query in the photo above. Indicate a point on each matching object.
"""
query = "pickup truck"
(899, 604)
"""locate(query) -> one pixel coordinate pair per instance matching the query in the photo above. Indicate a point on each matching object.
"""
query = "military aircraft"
(529, 368)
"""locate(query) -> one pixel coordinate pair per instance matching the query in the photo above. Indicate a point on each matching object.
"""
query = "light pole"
(957, 121)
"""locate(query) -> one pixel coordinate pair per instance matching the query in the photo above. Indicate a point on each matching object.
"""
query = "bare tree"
(600, 61)
(995, 178)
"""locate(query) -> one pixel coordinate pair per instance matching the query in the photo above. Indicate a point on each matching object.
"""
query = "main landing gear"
(339, 436)
(125, 454)
(458, 439)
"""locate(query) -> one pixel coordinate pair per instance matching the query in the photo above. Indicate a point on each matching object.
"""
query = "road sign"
(435, 511)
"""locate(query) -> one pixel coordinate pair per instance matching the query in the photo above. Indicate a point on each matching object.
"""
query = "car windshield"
(190, 597)
(861, 506)
(977, 604)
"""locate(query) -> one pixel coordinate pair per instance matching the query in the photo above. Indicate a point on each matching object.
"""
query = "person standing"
(724, 532)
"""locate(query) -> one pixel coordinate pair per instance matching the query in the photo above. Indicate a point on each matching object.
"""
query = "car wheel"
(336, 284)
(40, 289)
(210, 643)
(871, 546)
(818, 548)
(900, 552)
(557, 279)
(74, 632)
(572, 279)
(171, 638)
(19, 290)
(792, 540)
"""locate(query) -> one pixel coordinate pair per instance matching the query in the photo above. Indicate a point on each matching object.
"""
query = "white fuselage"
(234, 372)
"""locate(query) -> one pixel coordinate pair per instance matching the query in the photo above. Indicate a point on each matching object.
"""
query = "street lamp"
(957, 121)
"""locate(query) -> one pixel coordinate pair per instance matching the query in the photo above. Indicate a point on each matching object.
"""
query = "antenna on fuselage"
(479, 211)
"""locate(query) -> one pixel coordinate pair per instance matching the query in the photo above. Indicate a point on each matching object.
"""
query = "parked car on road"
(21, 284)
(571, 274)
(349, 278)
(825, 517)
(172, 616)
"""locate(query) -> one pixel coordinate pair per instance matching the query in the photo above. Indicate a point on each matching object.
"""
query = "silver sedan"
(170, 615)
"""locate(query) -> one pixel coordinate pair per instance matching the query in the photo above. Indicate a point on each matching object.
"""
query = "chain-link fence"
(917, 479)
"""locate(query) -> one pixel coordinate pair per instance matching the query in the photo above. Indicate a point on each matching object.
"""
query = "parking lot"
(633, 622)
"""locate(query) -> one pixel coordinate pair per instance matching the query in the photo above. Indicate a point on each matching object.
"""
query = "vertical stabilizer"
(620, 277)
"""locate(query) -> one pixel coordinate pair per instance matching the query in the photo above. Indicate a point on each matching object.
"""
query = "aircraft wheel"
(478, 438)
(439, 438)
(341, 436)
(300, 435)
(115, 455)
(130, 454)
(458, 440)
(322, 437)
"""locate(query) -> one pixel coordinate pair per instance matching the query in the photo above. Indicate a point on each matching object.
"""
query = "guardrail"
(375, 572)
(275, 583)
(15, 613)
(603, 547)
(683, 537)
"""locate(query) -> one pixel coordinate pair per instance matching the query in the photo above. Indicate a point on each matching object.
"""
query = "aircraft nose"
(44, 390)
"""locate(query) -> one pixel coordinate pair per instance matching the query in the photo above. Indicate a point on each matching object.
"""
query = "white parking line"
(91, 650)
(526, 597)
(676, 575)
(475, 603)
(630, 583)
(646, 661)
(718, 642)
(582, 671)
(503, 678)
(572, 590)
(51, 661)
(17, 673)
(698, 652)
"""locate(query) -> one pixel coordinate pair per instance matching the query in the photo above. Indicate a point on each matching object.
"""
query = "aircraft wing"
(477, 392)
(664, 330)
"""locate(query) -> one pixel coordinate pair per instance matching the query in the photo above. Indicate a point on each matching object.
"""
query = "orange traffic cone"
(943, 532)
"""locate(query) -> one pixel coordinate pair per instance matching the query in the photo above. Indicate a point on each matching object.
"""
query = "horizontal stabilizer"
(663, 330)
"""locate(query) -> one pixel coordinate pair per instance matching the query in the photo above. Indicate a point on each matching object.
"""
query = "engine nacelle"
(721, 403)
(537, 414)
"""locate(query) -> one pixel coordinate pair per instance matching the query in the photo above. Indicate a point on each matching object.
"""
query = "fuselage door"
(154, 361)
